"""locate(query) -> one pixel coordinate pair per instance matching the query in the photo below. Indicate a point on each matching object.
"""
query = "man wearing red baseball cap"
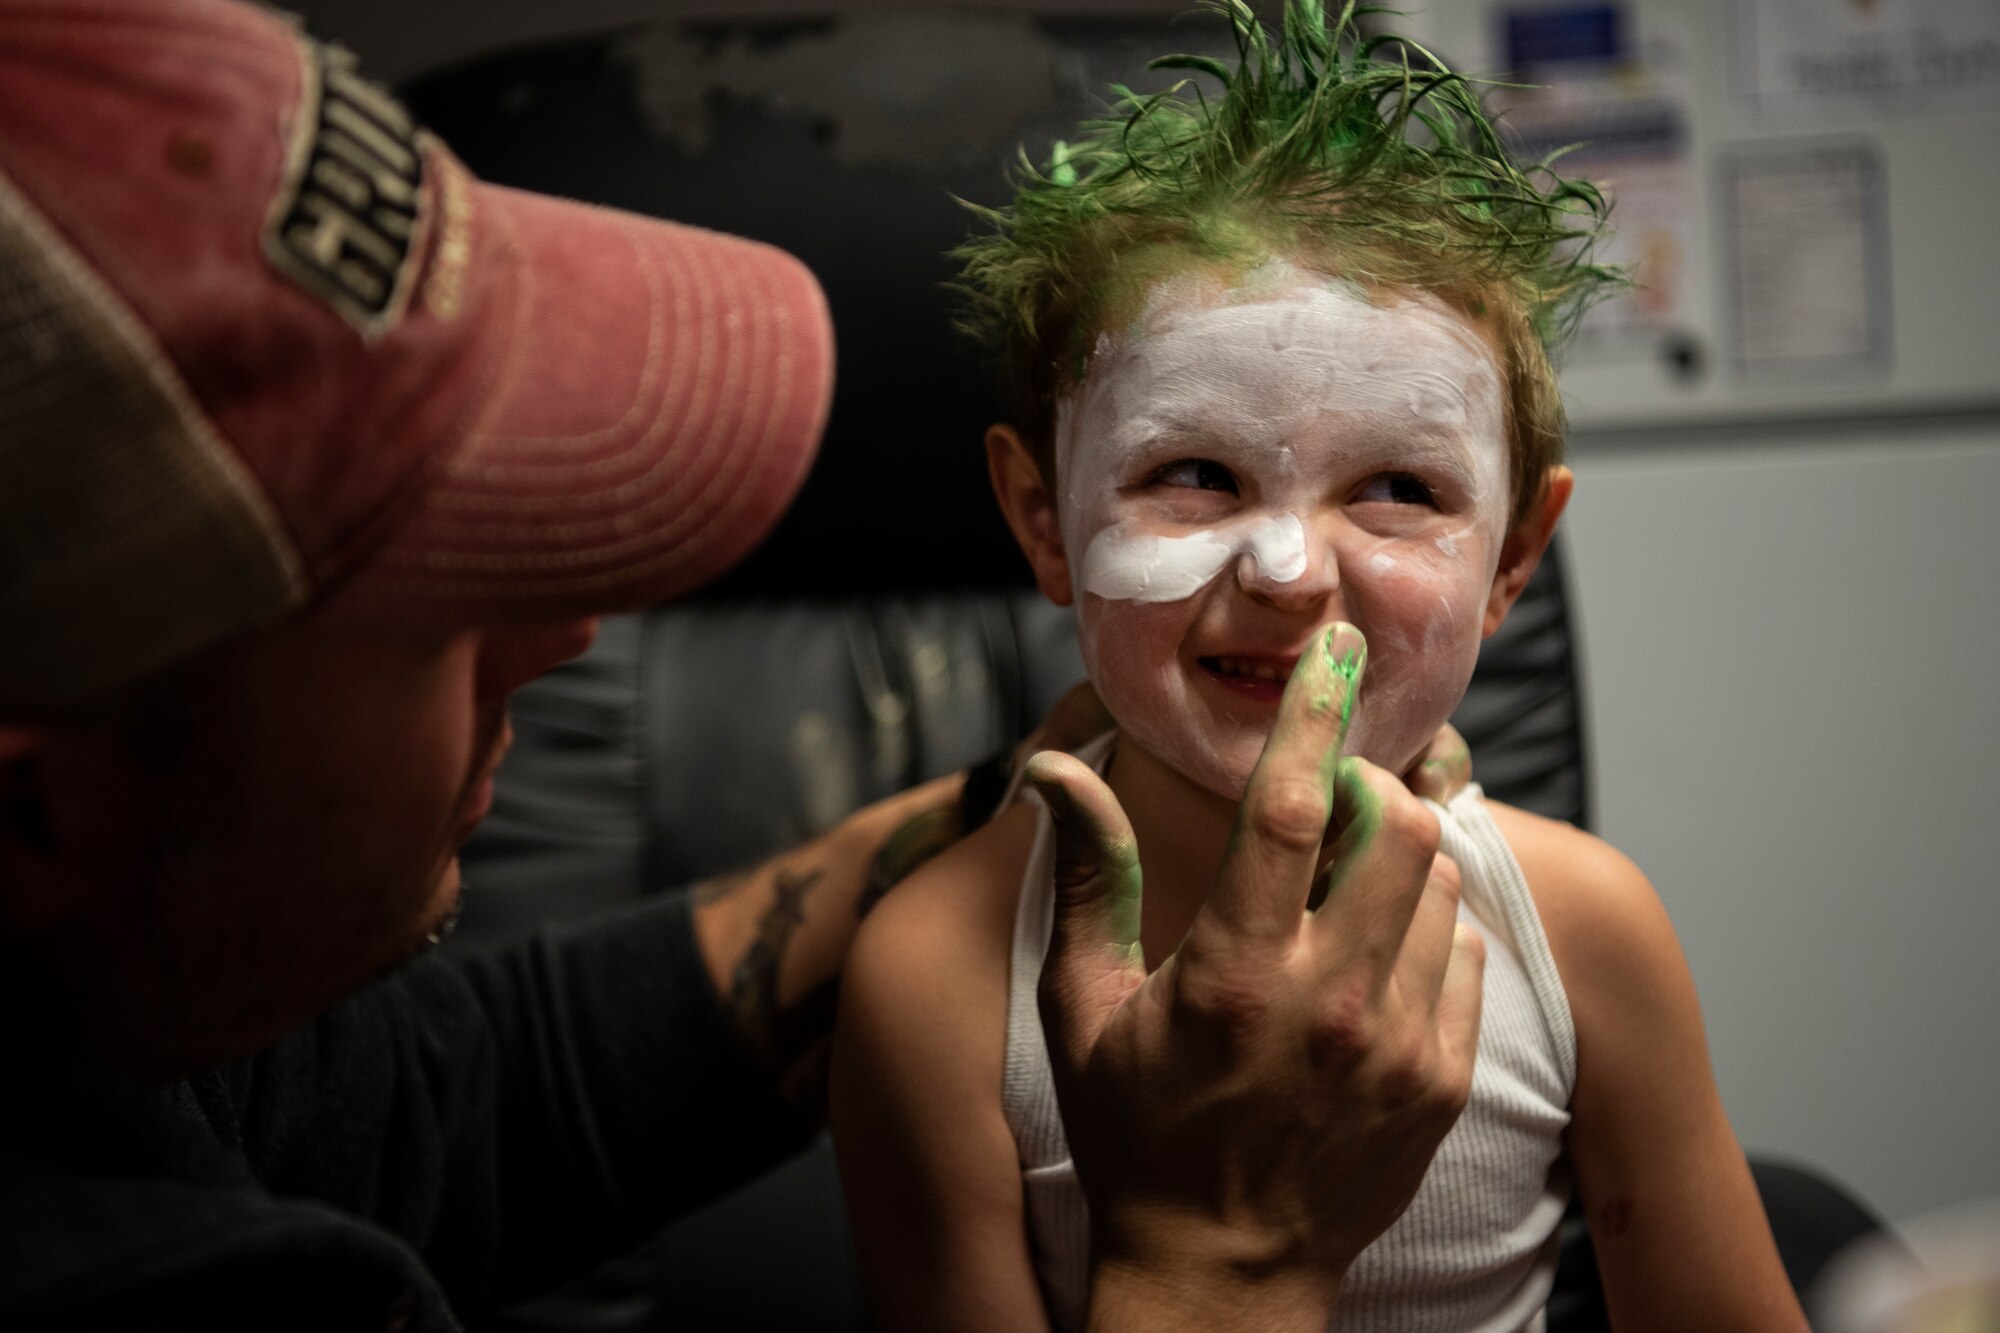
(312, 448)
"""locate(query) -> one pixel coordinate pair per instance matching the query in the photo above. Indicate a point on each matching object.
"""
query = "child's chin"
(1225, 781)
(1222, 771)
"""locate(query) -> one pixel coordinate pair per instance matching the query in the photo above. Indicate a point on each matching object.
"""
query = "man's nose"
(512, 655)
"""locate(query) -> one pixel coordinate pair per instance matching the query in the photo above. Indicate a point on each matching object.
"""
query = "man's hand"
(1251, 1116)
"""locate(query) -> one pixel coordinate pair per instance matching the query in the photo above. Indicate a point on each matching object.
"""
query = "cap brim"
(659, 402)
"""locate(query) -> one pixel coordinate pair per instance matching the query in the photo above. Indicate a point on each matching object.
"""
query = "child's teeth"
(1236, 666)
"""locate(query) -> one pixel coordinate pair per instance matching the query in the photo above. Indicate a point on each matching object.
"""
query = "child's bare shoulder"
(1561, 859)
(963, 898)
(919, 1048)
(933, 954)
(1602, 915)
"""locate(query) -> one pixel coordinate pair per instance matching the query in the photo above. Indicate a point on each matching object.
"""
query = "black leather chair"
(887, 632)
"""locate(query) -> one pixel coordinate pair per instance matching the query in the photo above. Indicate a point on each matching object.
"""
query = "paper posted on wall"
(1612, 99)
(1880, 52)
(1807, 257)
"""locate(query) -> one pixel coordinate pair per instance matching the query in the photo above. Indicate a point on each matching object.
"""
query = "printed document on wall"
(1876, 51)
(1611, 95)
(1807, 264)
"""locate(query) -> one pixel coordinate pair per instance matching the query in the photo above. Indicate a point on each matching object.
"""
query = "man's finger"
(1094, 959)
(1077, 719)
(1445, 769)
(1440, 774)
(1460, 1000)
(1428, 944)
(1275, 846)
(1381, 862)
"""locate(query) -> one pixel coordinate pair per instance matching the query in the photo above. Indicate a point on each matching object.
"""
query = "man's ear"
(1030, 508)
(1522, 550)
(29, 875)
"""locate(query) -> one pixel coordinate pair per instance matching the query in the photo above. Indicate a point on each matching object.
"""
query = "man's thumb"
(1094, 959)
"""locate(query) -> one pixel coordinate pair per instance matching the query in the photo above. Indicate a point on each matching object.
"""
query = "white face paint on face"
(1245, 465)
(1127, 565)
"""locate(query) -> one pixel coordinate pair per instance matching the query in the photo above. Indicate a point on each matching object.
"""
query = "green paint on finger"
(1367, 816)
(1346, 668)
(1364, 817)
(1124, 885)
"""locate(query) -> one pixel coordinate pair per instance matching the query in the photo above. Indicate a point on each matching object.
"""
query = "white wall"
(1791, 646)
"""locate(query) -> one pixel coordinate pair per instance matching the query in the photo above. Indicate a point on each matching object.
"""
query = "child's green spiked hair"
(1361, 156)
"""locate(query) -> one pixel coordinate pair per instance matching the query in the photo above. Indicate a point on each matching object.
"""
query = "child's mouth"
(1260, 678)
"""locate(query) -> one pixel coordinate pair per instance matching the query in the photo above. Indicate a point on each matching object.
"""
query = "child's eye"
(1401, 488)
(1196, 474)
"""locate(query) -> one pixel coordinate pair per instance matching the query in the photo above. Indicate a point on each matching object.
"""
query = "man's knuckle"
(1229, 1000)
(1346, 1029)
(1410, 822)
(1408, 1081)
(1454, 1090)
(1290, 814)
(1073, 875)
(1444, 1090)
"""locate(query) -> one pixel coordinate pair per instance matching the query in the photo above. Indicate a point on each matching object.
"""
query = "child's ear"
(1030, 509)
(1522, 550)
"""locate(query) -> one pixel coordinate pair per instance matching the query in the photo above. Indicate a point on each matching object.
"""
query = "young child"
(1280, 361)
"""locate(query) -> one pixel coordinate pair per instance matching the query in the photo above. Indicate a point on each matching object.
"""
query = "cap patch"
(444, 288)
(346, 223)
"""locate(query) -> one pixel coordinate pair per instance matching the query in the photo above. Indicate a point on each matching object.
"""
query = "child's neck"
(1182, 830)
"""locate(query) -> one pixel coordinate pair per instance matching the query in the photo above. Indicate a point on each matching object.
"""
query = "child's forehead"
(1281, 356)
(1284, 295)
(1276, 341)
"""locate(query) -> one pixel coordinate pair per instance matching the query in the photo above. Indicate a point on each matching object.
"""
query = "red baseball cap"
(265, 344)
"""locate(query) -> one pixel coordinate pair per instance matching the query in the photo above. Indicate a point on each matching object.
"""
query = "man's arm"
(517, 1117)
(775, 938)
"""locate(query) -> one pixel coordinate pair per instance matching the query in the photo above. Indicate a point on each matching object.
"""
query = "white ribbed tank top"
(1476, 1250)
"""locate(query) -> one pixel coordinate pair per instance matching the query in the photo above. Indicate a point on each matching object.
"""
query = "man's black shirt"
(449, 1140)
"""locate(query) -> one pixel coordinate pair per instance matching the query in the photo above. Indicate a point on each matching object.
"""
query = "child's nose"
(1292, 581)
